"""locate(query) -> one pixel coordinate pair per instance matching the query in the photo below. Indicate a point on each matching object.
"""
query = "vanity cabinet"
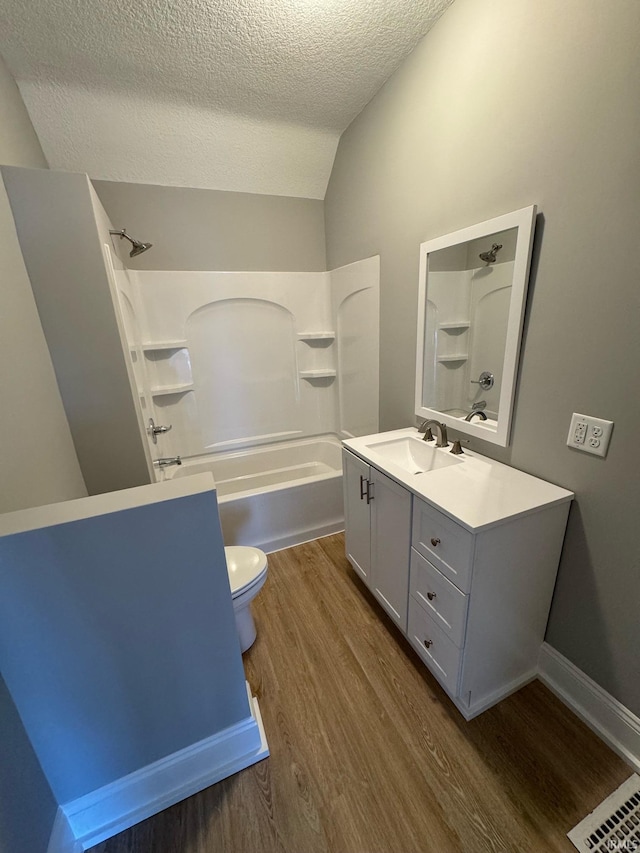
(378, 534)
(471, 593)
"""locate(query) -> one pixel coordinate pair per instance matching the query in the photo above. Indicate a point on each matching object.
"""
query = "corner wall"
(59, 237)
(507, 103)
(38, 466)
(38, 459)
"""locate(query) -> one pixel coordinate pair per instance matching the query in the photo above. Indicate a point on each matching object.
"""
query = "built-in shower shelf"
(158, 346)
(318, 374)
(462, 356)
(460, 325)
(310, 337)
(164, 390)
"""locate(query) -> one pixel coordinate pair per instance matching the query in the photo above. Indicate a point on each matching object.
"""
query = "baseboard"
(487, 702)
(62, 838)
(125, 802)
(609, 719)
(301, 537)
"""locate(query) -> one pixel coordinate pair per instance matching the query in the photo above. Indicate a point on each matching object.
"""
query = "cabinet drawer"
(434, 647)
(445, 544)
(441, 599)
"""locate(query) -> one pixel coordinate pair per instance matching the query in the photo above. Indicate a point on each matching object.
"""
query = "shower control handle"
(485, 380)
(154, 431)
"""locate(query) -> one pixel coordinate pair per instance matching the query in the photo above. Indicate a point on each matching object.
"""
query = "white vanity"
(461, 552)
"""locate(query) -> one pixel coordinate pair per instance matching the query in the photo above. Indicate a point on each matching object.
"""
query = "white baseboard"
(609, 719)
(62, 839)
(301, 537)
(125, 802)
(477, 708)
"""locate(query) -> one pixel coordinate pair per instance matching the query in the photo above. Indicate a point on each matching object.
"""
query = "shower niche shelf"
(316, 356)
(458, 326)
(166, 390)
(443, 359)
(318, 374)
(317, 338)
(160, 346)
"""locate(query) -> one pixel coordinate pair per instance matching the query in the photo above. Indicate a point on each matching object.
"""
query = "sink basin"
(413, 455)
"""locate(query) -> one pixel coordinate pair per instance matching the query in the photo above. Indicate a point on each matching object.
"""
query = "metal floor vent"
(614, 825)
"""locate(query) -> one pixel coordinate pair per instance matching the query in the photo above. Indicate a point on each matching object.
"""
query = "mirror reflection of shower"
(490, 256)
(137, 247)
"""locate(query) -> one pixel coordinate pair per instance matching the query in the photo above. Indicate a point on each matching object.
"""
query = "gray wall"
(506, 103)
(37, 457)
(63, 254)
(27, 806)
(117, 633)
(195, 229)
(37, 468)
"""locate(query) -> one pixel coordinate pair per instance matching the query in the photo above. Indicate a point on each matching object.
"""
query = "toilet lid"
(245, 565)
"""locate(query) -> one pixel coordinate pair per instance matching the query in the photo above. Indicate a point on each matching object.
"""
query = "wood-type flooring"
(368, 755)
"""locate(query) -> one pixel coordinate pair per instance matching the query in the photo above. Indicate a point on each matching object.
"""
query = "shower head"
(137, 248)
(490, 256)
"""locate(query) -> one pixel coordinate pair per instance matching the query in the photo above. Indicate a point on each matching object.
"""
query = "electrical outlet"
(589, 434)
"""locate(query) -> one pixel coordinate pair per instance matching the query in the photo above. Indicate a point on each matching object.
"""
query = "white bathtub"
(275, 496)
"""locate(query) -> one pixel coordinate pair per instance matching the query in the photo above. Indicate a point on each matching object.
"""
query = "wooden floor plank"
(367, 753)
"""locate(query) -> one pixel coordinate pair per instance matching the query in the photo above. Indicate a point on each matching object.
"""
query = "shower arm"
(122, 232)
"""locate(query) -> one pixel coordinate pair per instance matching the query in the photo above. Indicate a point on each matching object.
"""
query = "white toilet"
(247, 569)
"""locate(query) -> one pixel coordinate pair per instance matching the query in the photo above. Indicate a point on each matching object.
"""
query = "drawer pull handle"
(434, 541)
(431, 596)
(428, 643)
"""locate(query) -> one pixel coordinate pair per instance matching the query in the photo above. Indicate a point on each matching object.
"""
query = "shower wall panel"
(242, 359)
(355, 312)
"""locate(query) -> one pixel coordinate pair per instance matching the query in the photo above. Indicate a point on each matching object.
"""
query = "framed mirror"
(471, 300)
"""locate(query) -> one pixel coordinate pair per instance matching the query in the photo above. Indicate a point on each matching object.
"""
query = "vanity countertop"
(476, 491)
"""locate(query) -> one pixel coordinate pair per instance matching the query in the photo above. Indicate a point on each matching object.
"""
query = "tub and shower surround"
(245, 359)
(465, 336)
(260, 374)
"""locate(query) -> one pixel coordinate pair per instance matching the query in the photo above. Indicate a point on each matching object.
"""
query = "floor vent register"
(614, 825)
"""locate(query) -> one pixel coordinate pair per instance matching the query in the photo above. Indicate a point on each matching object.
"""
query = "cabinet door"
(390, 545)
(357, 520)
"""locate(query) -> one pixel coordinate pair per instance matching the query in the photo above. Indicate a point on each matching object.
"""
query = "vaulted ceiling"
(244, 95)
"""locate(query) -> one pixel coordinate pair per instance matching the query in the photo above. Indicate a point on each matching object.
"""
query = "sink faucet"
(441, 432)
(477, 412)
(168, 460)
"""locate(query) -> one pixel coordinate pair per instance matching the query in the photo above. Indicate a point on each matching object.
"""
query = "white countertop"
(478, 493)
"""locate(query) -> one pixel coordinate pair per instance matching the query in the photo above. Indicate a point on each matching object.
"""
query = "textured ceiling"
(304, 67)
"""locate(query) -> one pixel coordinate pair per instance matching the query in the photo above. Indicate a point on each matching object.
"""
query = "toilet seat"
(246, 566)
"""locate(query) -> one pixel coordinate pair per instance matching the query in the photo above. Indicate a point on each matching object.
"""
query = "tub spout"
(168, 460)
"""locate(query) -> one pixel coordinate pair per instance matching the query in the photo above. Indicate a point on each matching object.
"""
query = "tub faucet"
(475, 412)
(441, 432)
(168, 460)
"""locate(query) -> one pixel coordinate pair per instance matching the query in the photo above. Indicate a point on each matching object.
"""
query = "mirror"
(472, 292)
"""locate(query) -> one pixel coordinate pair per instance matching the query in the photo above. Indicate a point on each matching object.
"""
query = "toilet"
(247, 568)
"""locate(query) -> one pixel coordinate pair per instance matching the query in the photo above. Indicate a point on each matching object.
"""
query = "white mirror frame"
(524, 221)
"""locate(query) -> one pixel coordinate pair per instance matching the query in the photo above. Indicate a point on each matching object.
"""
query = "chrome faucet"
(477, 412)
(168, 460)
(441, 432)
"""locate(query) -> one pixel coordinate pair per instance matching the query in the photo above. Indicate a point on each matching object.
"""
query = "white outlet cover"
(589, 434)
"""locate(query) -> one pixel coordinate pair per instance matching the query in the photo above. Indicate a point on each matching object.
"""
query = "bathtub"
(278, 495)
